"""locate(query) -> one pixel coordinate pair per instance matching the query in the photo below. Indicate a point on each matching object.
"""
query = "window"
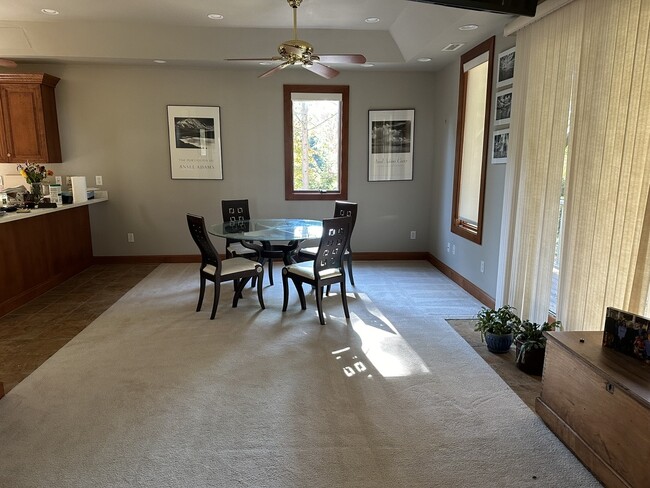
(316, 142)
(472, 135)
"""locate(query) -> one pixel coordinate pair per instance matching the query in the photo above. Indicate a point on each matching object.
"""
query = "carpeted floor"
(152, 394)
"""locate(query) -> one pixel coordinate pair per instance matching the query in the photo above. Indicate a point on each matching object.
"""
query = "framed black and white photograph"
(503, 107)
(195, 142)
(500, 141)
(506, 68)
(390, 145)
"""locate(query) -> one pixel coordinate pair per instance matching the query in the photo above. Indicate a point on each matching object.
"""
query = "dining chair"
(213, 268)
(236, 210)
(341, 209)
(326, 269)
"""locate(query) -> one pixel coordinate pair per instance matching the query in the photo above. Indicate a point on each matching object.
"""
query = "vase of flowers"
(34, 174)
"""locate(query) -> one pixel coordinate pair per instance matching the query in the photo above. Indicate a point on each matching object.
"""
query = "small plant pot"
(532, 361)
(498, 343)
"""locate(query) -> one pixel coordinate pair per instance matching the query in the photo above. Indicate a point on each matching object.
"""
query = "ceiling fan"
(300, 52)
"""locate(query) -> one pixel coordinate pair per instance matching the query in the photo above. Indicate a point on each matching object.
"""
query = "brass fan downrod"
(294, 4)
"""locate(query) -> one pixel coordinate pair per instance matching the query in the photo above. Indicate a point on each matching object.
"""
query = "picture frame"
(506, 68)
(503, 107)
(390, 144)
(195, 142)
(500, 146)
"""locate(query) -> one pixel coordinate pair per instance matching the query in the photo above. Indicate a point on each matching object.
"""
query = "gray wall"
(467, 259)
(113, 123)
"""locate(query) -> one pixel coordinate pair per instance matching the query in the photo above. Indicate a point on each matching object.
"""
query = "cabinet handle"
(609, 388)
(8, 155)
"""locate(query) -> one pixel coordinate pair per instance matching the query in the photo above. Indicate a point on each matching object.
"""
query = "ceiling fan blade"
(342, 58)
(274, 58)
(321, 70)
(273, 70)
(7, 63)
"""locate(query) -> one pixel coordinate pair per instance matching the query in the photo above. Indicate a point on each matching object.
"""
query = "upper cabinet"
(29, 130)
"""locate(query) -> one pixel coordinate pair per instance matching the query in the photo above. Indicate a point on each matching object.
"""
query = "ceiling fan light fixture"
(215, 16)
(372, 20)
(468, 27)
(49, 11)
(424, 60)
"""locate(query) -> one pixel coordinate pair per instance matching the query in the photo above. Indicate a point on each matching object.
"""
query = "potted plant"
(530, 345)
(497, 327)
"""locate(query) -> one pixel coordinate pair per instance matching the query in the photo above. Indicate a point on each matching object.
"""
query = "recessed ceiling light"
(367, 65)
(159, 61)
(49, 11)
(215, 16)
(468, 27)
(424, 60)
(372, 20)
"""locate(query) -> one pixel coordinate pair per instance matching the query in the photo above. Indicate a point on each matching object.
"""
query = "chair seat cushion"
(233, 266)
(306, 270)
(239, 265)
(240, 249)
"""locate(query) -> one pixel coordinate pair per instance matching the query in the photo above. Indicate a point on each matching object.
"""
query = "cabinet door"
(24, 124)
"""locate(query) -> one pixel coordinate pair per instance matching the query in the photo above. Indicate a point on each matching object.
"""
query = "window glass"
(315, 142)
(472, 140)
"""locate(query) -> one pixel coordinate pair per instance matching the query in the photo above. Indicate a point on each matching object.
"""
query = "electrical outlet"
(448, 246)
(482, 266)
(68, 180)
(1, 181)
(99, 181)
(453, 249)
(130, 237)
(58, 180)
(412, 234)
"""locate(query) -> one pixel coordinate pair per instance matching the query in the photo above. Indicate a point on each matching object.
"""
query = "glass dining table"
(267, 231)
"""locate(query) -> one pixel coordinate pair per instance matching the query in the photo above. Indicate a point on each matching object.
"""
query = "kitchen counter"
(41, 249)
(36, 212)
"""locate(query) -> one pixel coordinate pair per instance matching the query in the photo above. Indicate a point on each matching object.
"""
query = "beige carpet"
(153, 394)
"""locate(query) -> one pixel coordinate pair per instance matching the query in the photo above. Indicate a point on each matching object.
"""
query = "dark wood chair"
(325, 270)
(213, 268)
(341, 209)
(236, 210)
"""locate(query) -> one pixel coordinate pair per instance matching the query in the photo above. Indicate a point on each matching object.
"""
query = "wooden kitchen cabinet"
(29, 130)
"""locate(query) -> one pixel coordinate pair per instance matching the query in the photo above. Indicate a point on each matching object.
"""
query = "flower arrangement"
(33, 173)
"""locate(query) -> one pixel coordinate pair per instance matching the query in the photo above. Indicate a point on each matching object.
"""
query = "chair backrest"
(234, 210)
(333, 242)
(209, 254)
(346, 209)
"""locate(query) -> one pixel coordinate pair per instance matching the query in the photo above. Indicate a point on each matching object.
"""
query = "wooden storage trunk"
(597, 401)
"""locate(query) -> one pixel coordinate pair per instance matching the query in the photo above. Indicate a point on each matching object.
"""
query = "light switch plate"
(58, 180)
(98, 181)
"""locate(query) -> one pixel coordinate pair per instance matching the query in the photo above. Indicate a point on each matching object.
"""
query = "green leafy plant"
(530, 335)
(501, 321)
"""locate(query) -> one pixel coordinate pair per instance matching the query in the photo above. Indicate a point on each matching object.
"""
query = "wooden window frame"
(459, 227)
(289, 192)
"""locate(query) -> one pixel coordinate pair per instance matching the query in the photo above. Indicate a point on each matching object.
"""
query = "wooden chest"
(597, 401)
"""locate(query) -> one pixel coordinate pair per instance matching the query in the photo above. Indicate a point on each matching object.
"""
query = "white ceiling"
(179, 31)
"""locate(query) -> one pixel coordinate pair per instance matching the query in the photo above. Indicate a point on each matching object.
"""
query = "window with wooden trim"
(316, 142)
(472, 140)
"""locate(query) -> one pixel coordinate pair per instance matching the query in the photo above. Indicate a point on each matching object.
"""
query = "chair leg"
(285, 290)
(260, 283)
(319, 304)
(344, 299)
(239, 288)
(201, 294)
(301, 293)
(349, 260)
(271, 271)
(217, 292)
